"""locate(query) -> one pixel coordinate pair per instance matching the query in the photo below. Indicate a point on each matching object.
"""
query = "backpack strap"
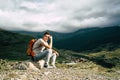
(36, 47)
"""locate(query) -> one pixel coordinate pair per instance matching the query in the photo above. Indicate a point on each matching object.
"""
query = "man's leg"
(53, 59)
(48, 58)
(41, 55)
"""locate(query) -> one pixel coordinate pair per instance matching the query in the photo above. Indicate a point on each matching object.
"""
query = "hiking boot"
(53, 65)
(46, 65)
(50, 67)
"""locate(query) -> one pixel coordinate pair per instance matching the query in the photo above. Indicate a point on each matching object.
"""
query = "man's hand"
(50, 37)
(55, 52)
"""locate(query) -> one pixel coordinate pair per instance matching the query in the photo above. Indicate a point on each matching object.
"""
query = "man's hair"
(47, 33)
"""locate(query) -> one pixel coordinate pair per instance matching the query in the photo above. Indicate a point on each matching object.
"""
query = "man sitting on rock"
(43, 49)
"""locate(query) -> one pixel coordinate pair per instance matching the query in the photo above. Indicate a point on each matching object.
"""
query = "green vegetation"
(4, 65)
(108, 59)
(92, 40)
(13, 47)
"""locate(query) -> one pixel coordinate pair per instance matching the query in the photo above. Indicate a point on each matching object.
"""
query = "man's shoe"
(49, 67)
(53, 66)
(45, 65)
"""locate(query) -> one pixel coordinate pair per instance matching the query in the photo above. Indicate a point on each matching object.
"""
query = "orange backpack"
(30, 46)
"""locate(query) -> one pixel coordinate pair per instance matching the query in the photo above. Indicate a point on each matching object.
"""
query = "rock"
(60, 73)
(23, 77)
(72, 63)
(31, 66)
(81, 60)
(41, 63)
(26, 65)
(46, 73)
(20, 66)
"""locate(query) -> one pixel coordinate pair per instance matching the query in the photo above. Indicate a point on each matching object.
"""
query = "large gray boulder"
(29, 65)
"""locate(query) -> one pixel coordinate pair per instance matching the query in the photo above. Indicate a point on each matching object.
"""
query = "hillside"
(92, 39)
(13, 45)
(86, 39)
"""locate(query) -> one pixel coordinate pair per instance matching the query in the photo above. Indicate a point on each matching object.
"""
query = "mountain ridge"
(13, 47)
(91, 39)
(84, 39)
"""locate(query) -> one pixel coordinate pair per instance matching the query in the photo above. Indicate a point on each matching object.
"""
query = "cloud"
(58, 15)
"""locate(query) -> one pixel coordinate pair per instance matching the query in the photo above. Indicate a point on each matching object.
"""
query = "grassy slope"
(105, 58)
(92, 40)
(13, 46)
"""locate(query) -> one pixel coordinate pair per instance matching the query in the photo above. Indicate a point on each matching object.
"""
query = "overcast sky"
(58, 15)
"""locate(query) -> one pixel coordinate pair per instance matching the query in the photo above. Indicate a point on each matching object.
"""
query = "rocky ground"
(57, 74)
(77, 71)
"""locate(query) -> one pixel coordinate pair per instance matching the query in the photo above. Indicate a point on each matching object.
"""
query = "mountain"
(34, 34)
(13, 45)
(91, 39)
(56, 36)
(86, 39)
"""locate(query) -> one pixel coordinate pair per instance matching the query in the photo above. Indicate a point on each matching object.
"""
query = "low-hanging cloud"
(58, 15)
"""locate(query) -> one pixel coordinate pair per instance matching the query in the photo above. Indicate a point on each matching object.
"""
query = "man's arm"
(51, 42)
(49, 46)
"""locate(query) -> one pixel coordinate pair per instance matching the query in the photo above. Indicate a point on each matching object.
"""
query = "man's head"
(46, 36)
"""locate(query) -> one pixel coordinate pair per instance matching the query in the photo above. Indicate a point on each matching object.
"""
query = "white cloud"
(58, 15)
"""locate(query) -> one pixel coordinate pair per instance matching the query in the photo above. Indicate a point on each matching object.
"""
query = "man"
(44, 49)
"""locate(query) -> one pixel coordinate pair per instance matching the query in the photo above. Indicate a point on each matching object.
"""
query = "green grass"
(107, 59)
(13, 46)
